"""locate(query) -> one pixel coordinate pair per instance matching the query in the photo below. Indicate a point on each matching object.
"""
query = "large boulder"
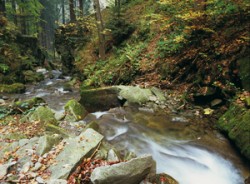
(102, 99)
(132, 172)
(75, 150)
(235, 123)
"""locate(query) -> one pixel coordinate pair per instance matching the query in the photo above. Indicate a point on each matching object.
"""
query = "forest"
(125, 91)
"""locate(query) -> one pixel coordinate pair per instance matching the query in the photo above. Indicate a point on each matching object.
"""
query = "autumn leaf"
(208, 111)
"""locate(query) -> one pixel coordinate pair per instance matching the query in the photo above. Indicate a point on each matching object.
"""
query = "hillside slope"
(199, 47)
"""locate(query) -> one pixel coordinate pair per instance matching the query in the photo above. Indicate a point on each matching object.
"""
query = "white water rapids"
(186, 162)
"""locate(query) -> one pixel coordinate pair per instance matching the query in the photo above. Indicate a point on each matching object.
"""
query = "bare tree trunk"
(100, 29)
(63, 11)
(72, 11)
(81, 8)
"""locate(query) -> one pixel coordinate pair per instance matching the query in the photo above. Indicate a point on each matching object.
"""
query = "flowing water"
(181, 148)
(183, 155)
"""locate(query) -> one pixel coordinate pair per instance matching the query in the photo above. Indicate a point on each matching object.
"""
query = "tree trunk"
(2, 7)
(63, 12)
(72, 11)
(81, 8)
(100, 29)
(13, 5)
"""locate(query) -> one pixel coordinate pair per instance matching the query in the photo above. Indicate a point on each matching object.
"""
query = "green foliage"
(221, 7)
(31, 9)
(4, 68)
(16, 54)
(120, 29)
(119, 70)
(173, 43)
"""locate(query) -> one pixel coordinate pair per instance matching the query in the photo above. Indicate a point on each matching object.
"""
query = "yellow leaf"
(208, 111)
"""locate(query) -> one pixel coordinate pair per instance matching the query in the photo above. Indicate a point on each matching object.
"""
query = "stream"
(181, 148)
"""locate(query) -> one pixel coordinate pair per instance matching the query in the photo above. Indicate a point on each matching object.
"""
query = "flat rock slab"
(131, 172)
(75, 150)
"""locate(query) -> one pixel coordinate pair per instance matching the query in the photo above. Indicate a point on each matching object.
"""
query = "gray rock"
(132, 172)
(53, 129)
(135, 94)
(4, 169)
(26, 149)
(2, 101)
(159, 94)
(59, 115)
(44, 115)
(112, 156)
(26, 167)
(102, 99)
(74, 151)
(46, 142)
(4, 97)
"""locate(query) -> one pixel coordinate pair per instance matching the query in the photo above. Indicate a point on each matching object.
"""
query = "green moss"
(75, 110)
(31, 77)
(28, 104)
(235, 123)
(43, 115)
(12, 88)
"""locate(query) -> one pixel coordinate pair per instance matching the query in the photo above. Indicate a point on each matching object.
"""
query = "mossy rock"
(12, 88)
(100, 99)
(235, 123)
(94, 125)
(53, 129)
(74, 110)
(32, 77)
(44, 115)
(29, 104)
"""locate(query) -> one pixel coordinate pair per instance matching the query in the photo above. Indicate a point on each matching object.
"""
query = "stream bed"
(190, 153)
